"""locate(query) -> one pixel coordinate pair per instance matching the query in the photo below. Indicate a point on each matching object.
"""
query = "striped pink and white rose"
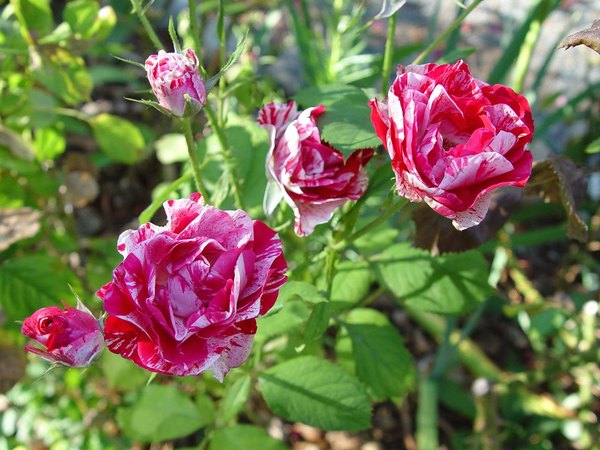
(186, 297)
(453, 139)
(310, 175)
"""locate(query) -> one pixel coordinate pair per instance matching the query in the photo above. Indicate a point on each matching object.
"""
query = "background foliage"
(485, 339)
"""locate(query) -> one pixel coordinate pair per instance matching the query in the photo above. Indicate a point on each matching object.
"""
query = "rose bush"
(71, 337)
(171, 76)
(186, 297)
(453, 139)
(309, 174)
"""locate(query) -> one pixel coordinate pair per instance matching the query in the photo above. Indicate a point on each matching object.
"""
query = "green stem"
(427, 415)
(337, 246)
(227, 155)
(427, 408)
(401, 203)
(442, 37)
(469, 353)
(330, 261)
(222, 54)
(525, 54)
(67, 112)
(335, 41)
(445, 351)
(192, 149)
(194, 30)
(147, 26)
(388, 54)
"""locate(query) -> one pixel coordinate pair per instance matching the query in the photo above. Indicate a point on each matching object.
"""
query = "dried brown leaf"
(560, 180)
(17, 224)
(437, 234)
(589, 37)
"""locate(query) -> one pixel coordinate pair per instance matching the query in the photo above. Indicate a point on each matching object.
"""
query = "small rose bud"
(172, 76)
(71, 337)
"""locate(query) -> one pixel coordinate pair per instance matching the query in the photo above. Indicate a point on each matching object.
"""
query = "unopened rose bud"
(172, 76)
(71, 337)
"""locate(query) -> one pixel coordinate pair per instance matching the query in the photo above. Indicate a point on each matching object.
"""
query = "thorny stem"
(191, 146)
(447, 32)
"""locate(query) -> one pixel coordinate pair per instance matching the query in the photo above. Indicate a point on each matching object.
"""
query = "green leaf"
(171, 148)
(173, 36)
(244, 437)
(250, 144)
(382, 361)
(12, 195)
(161, 412)
(453, 283)
(65, 75)
(289, 316)
(235, 398)
(351, 283)
(49, 144)
(41, 109)
(32, 282)
(343, 125)
(300, 289)
(9, 162)
(318, 393)
(230, 62)
(58, 36)
(326, 95)
(317, 322)
(104, 24)
(206, 406)
(81, 16)
(455, 397)
(593, 147)
(121, 373)
(118, 138)
(34, 15)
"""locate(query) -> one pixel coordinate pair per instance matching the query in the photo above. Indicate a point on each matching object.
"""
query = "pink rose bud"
(71, 337)
(453, 139)
(171, 76)
(310, 175)
(186, 297)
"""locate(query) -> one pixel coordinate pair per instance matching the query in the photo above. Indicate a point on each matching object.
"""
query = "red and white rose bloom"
(453, 139)
(171, 76)
(309, 174)
(186, 297)
(71, 337)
